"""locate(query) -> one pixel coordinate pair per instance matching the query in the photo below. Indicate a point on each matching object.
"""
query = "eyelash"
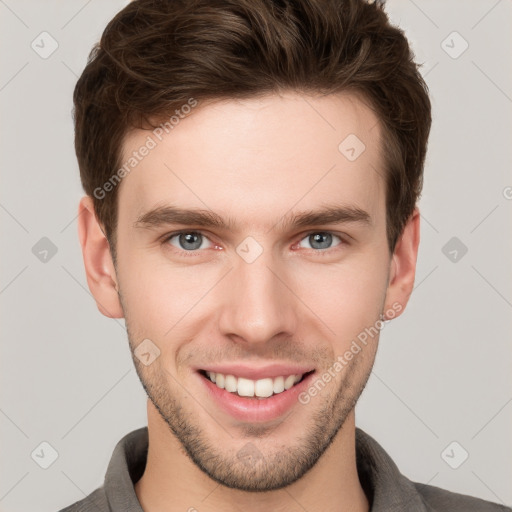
(192, 253)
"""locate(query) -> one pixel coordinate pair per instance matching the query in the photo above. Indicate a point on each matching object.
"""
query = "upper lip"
(259, 372)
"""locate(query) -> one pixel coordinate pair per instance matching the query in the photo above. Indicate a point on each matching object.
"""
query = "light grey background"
(443, 369)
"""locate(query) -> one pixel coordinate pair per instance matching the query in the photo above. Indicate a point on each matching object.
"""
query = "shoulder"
(94, 502)
(440, 500)
(391, 490)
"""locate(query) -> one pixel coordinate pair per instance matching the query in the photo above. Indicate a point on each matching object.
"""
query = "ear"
(403, 267)
(99, 267)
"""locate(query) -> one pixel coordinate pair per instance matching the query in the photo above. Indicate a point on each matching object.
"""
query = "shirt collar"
(386, 488)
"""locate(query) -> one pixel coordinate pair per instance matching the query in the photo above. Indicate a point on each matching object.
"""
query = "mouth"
(259, 389)
(268, 398)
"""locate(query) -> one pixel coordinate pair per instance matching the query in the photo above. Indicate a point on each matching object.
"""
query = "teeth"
(218, 379)
(230, 383)
(278, 384)
(289, 381)
(262, 388)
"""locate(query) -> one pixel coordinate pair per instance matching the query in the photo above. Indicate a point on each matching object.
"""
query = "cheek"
(346, 297)
(159, 295)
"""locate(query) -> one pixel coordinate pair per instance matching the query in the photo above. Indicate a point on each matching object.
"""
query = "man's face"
(264, 290)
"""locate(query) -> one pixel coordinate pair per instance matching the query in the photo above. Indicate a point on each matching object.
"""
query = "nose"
(258, 303)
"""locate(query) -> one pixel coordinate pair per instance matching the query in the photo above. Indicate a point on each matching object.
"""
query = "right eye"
(189, 241)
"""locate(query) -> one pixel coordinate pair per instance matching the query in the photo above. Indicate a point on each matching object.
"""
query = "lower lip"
(253, 409)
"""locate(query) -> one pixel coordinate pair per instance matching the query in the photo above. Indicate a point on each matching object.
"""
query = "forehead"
(258, 158)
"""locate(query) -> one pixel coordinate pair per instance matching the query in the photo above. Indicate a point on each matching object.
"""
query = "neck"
(172, 482)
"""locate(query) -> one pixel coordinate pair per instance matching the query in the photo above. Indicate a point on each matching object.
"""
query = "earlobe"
(403, 266)
(99, 268)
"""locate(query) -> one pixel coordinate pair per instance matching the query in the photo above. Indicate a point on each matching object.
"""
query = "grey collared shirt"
(385, 487)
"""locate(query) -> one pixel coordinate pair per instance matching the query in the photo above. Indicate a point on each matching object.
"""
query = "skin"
(255, 161)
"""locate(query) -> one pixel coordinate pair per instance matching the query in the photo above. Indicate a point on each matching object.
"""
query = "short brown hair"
(155, 55)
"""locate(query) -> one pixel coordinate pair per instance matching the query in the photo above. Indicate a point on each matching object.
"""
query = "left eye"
(319, 240)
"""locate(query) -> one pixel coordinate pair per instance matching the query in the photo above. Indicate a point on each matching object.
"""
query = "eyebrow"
(168, 214)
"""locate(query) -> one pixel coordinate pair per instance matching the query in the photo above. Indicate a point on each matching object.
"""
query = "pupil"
(190, 238)
(317, 239)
